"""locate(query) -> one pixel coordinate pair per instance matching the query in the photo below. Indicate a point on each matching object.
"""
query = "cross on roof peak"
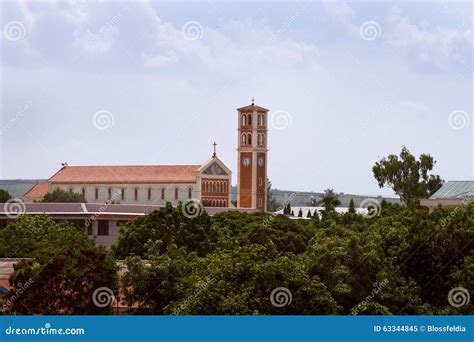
(214, 154)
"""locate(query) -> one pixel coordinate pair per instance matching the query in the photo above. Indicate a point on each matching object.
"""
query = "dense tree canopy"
(403, 260)
(4, 196)
(62, 196)
(408, 177)
(65, 270)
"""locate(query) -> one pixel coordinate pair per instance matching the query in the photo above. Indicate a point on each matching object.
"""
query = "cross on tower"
(214, 154)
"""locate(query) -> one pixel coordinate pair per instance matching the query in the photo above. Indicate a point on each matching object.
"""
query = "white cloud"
(427, 43)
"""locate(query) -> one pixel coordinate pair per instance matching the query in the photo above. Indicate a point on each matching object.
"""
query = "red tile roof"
(126, 174)
(38, 190)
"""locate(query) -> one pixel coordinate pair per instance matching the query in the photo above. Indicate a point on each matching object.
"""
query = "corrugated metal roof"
(455, 189)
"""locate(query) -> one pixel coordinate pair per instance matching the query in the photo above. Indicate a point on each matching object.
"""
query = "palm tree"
(329, 200)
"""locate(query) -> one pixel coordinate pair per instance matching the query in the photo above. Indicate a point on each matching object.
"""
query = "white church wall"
(129, 198)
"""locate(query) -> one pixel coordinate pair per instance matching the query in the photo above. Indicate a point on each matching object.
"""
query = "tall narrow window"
(244, 120)
(103, 228)
(149, 194)
(136, 194)
(70, 190)
(123, 194)
(176, 193)
(249, 139)
(110, 193)
(162, 193)
(190, 193)
(250, 119)
(84, 192)
(96, 193)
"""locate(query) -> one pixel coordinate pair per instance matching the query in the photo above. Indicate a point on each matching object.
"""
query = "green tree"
(272, 204)
(62, 196)
(65, 268)
(300, 213)
(408, 177)
(241, 281)
(329, 200)
(352, 209)
(29, 236)
(152, 284)
(4, 196)
(169, 225)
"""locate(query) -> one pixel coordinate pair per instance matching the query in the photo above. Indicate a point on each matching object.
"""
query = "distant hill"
(18, 187)
(303, 198)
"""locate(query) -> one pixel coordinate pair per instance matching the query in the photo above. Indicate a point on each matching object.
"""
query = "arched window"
(190, 192)
(244, 120)
(176, 193)
(249, 119)
(249, 139)
(244, 139)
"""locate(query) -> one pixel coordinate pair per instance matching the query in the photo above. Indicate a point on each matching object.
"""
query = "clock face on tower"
(246, 161)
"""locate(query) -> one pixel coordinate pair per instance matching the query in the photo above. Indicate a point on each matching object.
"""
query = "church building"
(209, 182)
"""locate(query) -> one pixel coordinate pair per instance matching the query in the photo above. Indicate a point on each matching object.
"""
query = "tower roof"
(253, 107)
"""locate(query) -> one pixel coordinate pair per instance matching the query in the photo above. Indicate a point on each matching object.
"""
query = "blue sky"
(98, 83)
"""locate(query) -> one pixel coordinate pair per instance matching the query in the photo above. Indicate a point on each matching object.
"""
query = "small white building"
(313, 210)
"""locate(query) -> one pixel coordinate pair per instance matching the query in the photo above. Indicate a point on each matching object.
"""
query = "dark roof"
(455, 189)
(253, 107)
(86, 209)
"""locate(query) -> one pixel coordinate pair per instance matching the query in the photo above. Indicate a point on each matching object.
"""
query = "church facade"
(209, 182)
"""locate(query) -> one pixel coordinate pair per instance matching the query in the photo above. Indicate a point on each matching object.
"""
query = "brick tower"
(252, 157)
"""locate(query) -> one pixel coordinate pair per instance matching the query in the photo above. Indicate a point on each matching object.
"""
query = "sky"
(131, 83)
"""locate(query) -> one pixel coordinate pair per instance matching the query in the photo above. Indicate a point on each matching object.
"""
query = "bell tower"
(252, 157)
